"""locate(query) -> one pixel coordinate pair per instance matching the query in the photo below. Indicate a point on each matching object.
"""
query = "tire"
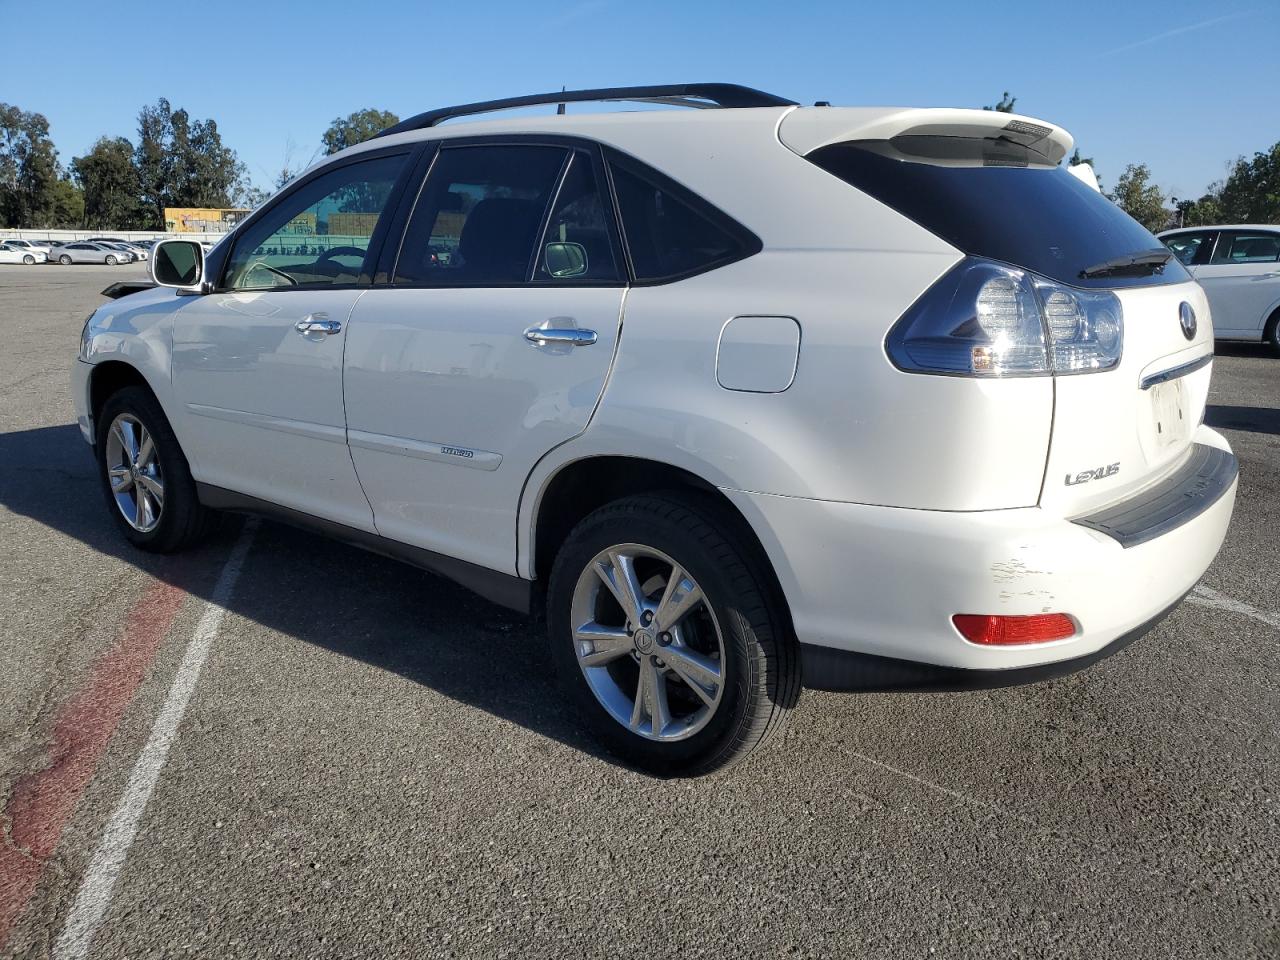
(757, 663)
(1273, 333)
(28, 259)
(182, 521)
(111, 261)
(65, 259)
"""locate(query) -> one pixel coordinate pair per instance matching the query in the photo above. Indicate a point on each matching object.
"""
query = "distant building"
(202, 219)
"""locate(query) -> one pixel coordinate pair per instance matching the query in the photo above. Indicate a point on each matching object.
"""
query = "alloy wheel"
(648, 643)
(133, 470)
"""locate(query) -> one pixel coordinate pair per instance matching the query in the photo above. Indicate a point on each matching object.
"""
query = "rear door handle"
(574, 337)
(315, 325)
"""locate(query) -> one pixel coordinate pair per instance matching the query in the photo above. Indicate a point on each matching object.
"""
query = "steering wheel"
(341, 252)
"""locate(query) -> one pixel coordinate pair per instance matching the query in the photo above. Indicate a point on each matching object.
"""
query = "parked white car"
(742, 398)
(85, 252)
(34, 246)
(1239, 267)
(9, 253)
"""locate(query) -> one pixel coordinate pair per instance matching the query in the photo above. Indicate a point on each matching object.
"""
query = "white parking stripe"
(94, 895)
(1208, 597)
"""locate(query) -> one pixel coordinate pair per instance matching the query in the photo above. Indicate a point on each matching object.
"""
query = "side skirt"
(503, 589)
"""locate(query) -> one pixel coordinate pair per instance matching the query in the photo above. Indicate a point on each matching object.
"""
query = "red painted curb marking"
(43, 801)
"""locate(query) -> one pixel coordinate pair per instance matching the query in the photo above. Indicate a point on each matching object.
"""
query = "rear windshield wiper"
(1139, 264)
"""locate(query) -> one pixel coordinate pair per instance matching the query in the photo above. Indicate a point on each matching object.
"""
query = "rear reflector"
(992, 630)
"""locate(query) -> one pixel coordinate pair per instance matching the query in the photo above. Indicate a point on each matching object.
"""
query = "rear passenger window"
(477, 220)
(1191, 248)
(670, 232)
(1247, 248)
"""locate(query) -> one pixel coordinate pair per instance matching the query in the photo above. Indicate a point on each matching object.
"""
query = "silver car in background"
(85, 252)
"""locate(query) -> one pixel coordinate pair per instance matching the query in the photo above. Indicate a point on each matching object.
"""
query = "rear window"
(1032, 215)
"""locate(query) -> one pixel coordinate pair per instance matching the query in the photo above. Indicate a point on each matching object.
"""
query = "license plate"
(1169, 411)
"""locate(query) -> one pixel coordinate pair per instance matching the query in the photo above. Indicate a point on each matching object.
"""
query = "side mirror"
(179, 264)
(564, 260)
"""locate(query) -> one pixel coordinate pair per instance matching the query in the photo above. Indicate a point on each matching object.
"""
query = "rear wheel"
(65, 259)
(145, 475)
(668, 638)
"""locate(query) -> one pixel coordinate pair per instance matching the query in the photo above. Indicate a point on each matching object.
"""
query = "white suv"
(744, 397)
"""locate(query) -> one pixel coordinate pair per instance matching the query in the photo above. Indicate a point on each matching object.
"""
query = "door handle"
(574, 337)
(318, 323)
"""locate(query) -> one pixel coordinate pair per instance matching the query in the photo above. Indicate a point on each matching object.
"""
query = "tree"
(28, 169)
(1075, 160)
(68, 204)
(356, 128)
(182, 163)
(1203, 212)
(1141, 199)
(111, 185)
(1252, 191)
(1005, 105)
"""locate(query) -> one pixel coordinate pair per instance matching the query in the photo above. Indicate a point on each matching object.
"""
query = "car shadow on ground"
(1252, 419)
(1238, 348)
(340, 598)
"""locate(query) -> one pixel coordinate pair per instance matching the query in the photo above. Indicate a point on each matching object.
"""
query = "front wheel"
(28, 259)
(1273, 333)
(65, 260)
(111, 261)
(145, 476)
(668, 637)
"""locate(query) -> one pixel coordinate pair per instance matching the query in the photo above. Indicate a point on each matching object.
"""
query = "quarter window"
(320, 234)
(670, 232)
(477, 220)
(1247, 248)
(576, 244)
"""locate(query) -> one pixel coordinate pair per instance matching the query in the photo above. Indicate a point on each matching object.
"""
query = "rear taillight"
(994, 630)
(985, 319)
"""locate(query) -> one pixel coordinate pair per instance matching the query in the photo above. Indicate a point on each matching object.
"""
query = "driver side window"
(319, 235)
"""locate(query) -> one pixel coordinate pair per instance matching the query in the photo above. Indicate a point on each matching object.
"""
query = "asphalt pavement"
(373, 762)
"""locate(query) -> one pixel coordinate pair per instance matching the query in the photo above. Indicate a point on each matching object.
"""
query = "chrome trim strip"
(1174, 373)
(422, 450)
(299, 428)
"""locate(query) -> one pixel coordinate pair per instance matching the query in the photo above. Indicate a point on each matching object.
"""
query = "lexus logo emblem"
(1187, 316)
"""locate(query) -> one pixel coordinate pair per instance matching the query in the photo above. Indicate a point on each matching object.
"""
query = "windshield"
(1028, 214)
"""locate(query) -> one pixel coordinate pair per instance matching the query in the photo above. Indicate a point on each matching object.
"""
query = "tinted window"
(670, 232)
(1191, 248)
(1032, 215)
(319, 234)
(1247, 248)
(576, 244)
(477, 220)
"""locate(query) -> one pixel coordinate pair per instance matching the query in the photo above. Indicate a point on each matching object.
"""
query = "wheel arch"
(580, 486)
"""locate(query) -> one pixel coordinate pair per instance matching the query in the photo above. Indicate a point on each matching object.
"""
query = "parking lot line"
(42, 802)
(1208, 597)
(94, 895)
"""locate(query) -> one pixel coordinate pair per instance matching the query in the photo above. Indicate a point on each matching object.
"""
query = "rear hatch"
(992, 186)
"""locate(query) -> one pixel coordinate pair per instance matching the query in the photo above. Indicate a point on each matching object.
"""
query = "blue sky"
(1182, 86)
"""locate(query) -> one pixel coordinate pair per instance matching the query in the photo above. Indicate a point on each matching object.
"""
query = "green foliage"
(356, 128)
(111, 186)
(28, 169)
(1252, 191)
(1203, 212)
(1140, 198)
(182, 164)
(1005, 105)
(68, 204)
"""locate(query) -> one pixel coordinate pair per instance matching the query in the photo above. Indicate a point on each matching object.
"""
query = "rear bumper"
(884, 582)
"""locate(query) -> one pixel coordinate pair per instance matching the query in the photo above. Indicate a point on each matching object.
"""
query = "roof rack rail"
(677, 94)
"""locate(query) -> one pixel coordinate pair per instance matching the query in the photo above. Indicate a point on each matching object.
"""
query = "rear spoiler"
(122, 288)
(807, 129)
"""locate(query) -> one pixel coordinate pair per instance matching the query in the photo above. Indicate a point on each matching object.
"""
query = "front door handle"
(315, 325)
(574, 337)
